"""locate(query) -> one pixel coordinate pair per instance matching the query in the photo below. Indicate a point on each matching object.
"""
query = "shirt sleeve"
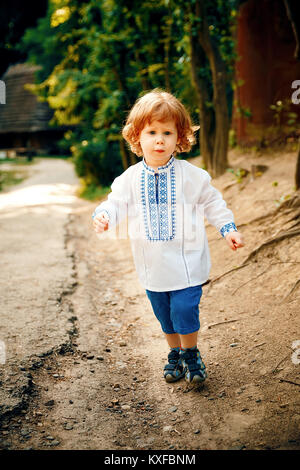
(116, 205)
(215, 208)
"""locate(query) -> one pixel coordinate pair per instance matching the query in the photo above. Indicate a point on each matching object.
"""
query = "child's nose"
(159, 138)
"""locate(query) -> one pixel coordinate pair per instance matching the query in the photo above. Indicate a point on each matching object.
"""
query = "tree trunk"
(292, 10)
(133, 158)
(218, 161)
(167, 29)
(144, 79)
(206, 115)
(124, 155)
(292, 14)
(128, 158)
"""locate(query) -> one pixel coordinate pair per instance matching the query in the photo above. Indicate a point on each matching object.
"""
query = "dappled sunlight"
(43, 209)
(39, 195)
(61, 15)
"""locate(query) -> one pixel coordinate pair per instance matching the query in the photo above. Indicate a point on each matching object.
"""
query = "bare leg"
(185, 341)
(189, 341)
(173, 340)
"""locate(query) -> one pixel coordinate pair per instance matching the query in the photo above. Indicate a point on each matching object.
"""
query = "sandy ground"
(81, 353)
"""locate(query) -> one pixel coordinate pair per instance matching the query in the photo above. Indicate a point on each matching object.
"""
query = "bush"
(97, 160)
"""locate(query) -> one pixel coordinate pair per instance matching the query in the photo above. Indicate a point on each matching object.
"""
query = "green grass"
(25, 161)
(17, 161)
(10, 178)
(92, 192)
(61, 157)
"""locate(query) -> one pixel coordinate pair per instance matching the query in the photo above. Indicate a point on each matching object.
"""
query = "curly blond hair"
(158, 105)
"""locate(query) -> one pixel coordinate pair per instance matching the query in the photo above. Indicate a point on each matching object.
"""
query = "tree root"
(283, 236)
(289, 382)
(252, 279)
(224, 274)
(285, 208)
(211, 281)
(257, 219)
(292, 290)
(222, 323)
(280, 362)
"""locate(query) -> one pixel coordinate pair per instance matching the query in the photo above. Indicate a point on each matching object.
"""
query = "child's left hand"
(234, 240)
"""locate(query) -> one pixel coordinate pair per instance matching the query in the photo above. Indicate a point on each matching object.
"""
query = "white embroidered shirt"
(165, 210)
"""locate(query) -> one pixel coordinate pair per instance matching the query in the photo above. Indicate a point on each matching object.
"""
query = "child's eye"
(154, 132)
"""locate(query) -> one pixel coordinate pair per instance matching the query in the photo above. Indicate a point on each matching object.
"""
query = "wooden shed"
(24, 121)
(266, 68)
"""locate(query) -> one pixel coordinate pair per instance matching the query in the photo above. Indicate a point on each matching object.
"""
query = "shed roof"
(22, 111)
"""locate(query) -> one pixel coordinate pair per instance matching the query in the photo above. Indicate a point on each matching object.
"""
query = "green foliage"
(232, 138)
(221, 16)
(283, 115)
(15, 17)
(283, 198)
(10, 178)
(98, 57)
(93, 192)
(239, 173)
(245, 112)
(97, 159)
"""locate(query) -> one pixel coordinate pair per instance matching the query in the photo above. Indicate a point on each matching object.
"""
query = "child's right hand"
(100, 222)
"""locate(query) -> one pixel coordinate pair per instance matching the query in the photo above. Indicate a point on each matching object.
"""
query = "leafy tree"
(98, 57)
(15, 17)
(209, 27)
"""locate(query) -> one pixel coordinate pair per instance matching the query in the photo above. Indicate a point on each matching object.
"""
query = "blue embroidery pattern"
(159, 225)
(154, 213)
(170, 162)
(163, 206)
(143, 198)
(228, 228)
(173, 201)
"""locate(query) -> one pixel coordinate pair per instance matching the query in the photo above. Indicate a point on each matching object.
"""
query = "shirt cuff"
(99, 212)
(228, 228)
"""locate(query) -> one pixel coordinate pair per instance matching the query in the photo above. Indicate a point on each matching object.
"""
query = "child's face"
(158, 141)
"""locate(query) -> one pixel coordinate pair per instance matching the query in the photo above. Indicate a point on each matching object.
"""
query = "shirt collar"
(160, 168)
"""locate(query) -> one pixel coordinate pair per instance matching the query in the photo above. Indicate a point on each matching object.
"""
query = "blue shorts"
(177, 310)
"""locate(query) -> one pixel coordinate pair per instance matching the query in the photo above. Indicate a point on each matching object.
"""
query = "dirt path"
(84, 353)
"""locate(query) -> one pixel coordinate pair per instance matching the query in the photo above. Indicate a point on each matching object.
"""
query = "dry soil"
(82, 354)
